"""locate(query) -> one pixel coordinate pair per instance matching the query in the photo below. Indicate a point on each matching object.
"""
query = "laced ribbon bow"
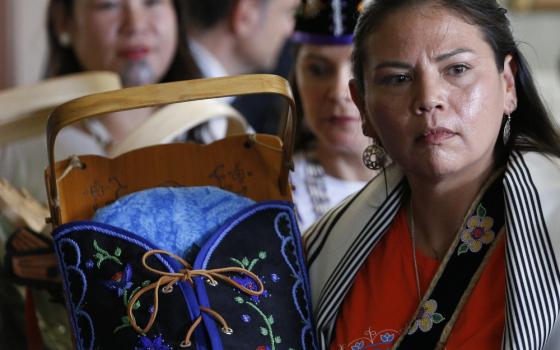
(169, 279)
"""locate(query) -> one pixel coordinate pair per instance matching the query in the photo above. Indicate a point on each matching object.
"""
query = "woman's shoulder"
(535, 163)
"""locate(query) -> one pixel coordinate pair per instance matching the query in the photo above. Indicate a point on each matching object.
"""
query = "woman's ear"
(359, 101)
(509, 74)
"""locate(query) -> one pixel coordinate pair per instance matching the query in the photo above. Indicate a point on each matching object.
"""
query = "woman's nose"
(134, 18)
(430, 94)
(338, 89)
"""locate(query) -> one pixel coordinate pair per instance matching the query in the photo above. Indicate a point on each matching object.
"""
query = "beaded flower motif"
(426, 317)
(477, 233)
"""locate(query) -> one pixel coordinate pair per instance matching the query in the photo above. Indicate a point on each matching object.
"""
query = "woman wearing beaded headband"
(462, 250)
(328, 160)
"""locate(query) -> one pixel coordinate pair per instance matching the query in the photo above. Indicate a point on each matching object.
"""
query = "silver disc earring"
(64, 39)
(507, 130)
(374, 156)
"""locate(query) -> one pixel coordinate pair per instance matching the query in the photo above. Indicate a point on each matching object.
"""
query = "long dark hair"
(531, 125)
(208, 13)
(63, 60)
(304, 139)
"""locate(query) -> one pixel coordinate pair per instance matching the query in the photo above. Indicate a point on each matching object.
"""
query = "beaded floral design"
(157, 343)
(103, 255)
(477, 233)
(371, 339)
(121, 281)
(252, 301)
(426, 317)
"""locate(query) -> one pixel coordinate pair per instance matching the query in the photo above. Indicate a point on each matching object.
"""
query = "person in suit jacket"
(231, 37)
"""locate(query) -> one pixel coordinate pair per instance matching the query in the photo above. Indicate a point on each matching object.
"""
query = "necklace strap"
(315, 184)
(459, 271)
(413, 242)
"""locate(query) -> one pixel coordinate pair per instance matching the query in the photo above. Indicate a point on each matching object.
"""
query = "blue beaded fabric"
(102, 273)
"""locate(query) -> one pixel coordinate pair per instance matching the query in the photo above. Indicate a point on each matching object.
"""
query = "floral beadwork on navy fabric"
(101, 255)
(477, 233)
(252, 301)
(279, 318)
(156, 343)
(102, 270)
(121, 281)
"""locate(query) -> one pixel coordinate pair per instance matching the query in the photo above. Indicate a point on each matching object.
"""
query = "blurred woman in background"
(328, 157)
(141, 40)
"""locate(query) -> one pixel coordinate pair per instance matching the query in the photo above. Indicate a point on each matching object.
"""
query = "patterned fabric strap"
(459, 271)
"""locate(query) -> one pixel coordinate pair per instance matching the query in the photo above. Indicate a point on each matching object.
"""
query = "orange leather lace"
(169, 279)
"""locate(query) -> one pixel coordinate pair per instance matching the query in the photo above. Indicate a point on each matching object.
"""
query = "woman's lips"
(134, 53)
(436, 136)
(343, 119)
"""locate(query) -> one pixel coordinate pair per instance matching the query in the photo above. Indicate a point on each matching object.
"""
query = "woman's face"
(433, 94)
(135, 38)
(322, 75)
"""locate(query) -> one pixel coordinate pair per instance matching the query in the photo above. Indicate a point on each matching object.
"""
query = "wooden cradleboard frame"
(170, 121)
(255, 166)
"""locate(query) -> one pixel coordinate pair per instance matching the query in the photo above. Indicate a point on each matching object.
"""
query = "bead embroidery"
(253, 300)
(114, 274)
(378, 340)
(102, 255)
(121, 281)
(285, 231)
(125, 322)
(74, 265)
(156, 343)
(477, 233)
(426, 317)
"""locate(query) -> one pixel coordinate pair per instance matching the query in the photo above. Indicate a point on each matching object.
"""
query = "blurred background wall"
(539, 39)
(23, 48)
(22, 41)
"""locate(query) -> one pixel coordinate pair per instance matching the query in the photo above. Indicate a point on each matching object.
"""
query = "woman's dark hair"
(304, 139)
(207, 13)
(531, 126)
(63, 60)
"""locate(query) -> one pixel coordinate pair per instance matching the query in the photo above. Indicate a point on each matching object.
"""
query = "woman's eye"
(152, 2)
(458, 69)
(317, 70)
(106, 4)
(396, 79)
